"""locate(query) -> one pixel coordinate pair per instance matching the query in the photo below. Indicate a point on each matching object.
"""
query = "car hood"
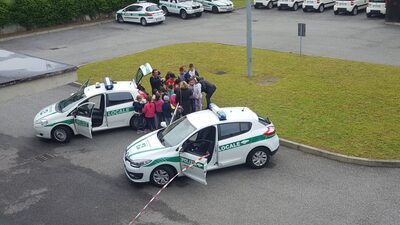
(46, 112)
(190, 4)
(223, 2)
(145, 144)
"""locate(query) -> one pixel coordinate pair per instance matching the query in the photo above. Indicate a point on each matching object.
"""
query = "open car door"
(198, 170)
(83, 119)
(142, 71)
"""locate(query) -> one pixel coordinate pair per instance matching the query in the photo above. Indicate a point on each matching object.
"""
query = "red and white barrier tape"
(165, 185)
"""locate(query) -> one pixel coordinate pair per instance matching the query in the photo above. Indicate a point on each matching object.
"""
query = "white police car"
(230, 136)
(184, 8)
(92, 108)
(269, 4)
(142, 12)
(217, 6)
(290, 4)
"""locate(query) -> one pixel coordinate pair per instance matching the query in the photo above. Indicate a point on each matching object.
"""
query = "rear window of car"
(152, 8)
(264, 121)
(118, 98)
(228, 130)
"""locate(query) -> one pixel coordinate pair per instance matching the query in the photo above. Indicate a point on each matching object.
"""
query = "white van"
(376, 7)
(349, 6)
(317, 5)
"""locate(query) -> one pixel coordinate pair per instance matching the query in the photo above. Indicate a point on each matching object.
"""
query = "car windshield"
(67, 103)
(176, 132)
(152, 8)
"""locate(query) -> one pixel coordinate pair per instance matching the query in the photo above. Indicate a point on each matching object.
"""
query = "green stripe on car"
(174, 159)
(66, 122)
(240, 143)
(119, 111)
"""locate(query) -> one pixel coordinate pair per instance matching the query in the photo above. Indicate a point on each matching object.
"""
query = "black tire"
(321, 8)
(183, 14)
(120, 19)
(161, 175)
(295, 7)
(132, 122)
(137, 122)
(368, 15)
(279, 8)
(354, 11)
(305, 10)
(258, 158)
(198, 14)
(143, 22)
(336, 12)
(61, 134)
(165, 10)
(215, 9)
(270, 5)
(257, 6)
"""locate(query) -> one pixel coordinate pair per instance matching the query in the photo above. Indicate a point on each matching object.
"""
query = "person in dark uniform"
(208, 88)
(184, 97)
(156, 81)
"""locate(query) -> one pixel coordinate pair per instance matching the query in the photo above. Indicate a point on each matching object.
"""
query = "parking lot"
(83, 182)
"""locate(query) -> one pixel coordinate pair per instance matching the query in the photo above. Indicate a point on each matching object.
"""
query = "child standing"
(167, 110)
(158, 102)
(139, 121)
(196, 94)
(149, 111)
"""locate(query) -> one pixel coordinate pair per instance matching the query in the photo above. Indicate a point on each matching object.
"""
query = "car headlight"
(139, 162)
(42, 122)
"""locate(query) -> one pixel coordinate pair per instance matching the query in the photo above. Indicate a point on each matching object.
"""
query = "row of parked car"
(372, 7)
(146, 12)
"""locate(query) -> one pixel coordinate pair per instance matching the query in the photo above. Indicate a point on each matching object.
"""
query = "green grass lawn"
(342, 106)
(240, 3)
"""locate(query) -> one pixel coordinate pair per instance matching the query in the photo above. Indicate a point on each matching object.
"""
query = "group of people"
(185, 89)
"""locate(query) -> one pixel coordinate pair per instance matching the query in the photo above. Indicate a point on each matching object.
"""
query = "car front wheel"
(215, 9)
(198, 14)
(143, 22)
(183, 14)
(295, 7)
(120, 19)
(165, 10)
(270, 5)
(258, 158)
(355, 11)
(336, 12)
(61, 134)
(161, 175)
(321, 8)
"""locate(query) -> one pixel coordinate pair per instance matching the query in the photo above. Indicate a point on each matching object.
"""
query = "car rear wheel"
(336, 12)
(295, 7)
(270, 5)
(258, 158)
(61, 134)
(165, 10)
(143, 22)
(161, 175)
(198, 14)
(355, 11)
(120, 19)
(368, 15)
(257, 6)
(321, 8)
(183, 14)
(215, 9)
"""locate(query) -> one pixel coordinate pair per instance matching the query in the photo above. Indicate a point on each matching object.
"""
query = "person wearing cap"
(156, 81)
(167, 110)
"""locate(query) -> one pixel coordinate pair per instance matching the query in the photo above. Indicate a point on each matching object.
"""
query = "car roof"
(119, 86)
(144, 4)
(207, 117)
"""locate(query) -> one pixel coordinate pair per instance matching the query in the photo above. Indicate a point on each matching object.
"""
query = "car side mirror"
(163, 124)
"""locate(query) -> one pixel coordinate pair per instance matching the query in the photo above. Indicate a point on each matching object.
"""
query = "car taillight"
(352, 3)
(149, 14)
(270, 132)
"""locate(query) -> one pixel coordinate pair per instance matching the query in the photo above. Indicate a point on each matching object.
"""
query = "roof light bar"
(108, 84)
(218, 111)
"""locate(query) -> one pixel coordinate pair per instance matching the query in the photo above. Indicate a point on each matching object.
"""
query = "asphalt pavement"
(44, 183)
(343, 36)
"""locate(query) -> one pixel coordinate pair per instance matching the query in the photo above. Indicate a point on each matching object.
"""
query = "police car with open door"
(229, 136)
(96, 107)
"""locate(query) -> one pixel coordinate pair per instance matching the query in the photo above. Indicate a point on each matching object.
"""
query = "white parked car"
(96, 107)
(184, 8)
(229, 136)
(142, 12)
(290, 4)
(376, 7)
(269, 4)
(217, 6)
(317, 5)
(349, 6)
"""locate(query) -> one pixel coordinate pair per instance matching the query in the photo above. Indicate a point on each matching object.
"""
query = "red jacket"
(149, 110)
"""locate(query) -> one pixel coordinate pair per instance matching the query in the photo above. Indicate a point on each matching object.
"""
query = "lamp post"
(249, 40)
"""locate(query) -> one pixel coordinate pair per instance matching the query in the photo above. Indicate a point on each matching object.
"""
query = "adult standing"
(192, 71)
(156, 81)
(182, 73)
(183, 96)
(197, 96)
(208, 88)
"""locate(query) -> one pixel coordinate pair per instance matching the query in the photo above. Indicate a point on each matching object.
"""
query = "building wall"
(393, 11)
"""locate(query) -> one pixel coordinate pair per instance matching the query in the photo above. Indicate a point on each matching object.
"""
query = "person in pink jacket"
(149, 111)
(158, 102)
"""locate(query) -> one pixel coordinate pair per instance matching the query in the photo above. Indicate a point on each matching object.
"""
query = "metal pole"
(249, 40)
(300, 44)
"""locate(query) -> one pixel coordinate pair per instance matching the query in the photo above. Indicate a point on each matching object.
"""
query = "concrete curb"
(55, 30)
(340, 157)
